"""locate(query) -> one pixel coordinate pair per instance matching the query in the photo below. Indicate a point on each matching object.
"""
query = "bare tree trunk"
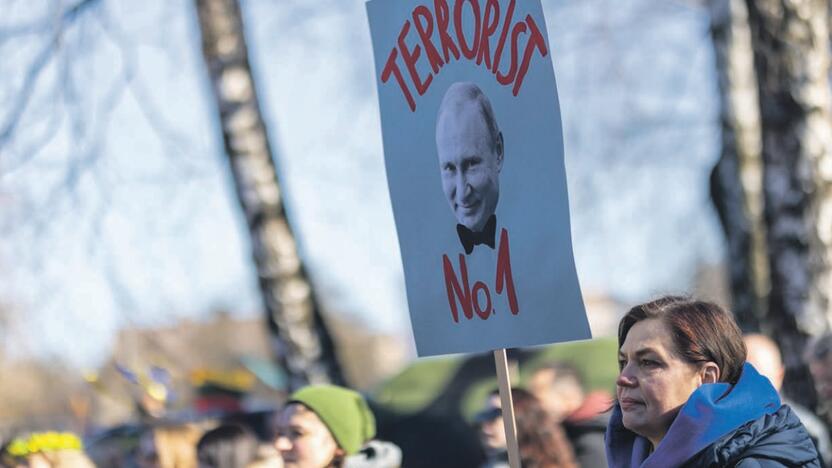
(791, 56)
(737, 178)
(303, 344)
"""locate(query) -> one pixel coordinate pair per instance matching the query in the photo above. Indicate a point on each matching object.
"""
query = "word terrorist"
(454, 43)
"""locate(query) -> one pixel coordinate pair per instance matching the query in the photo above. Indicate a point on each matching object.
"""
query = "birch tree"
(736, 180)
(304, 346)
(792, 58)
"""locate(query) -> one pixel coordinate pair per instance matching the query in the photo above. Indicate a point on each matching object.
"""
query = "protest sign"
(474, 157)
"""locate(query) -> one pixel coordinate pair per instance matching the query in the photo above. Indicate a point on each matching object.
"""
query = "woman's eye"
(289, 433)
(649, 363)
(621, 364)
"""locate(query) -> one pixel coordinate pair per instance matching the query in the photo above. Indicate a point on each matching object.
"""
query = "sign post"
(504, 381)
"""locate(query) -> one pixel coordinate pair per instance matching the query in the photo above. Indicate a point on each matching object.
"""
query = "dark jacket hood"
(711, 412)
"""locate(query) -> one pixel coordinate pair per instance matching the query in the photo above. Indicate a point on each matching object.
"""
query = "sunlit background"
(121, 231)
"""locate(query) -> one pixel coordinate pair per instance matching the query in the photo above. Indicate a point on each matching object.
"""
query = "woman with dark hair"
(686, 397)
(227, 446)
(541, 440)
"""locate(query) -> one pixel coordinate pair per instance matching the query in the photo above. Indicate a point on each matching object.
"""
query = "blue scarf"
(712, 411)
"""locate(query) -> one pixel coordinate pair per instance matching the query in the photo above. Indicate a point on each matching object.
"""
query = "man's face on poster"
(470, 160)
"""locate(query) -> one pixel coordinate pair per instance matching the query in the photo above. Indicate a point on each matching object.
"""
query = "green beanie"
(343, 411)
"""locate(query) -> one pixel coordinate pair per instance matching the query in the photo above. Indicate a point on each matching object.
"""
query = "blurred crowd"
(319, 426)
(656, 415)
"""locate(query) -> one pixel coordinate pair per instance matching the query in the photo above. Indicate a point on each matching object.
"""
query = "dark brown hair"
(542, 441)
(701, 332)
(227, 446)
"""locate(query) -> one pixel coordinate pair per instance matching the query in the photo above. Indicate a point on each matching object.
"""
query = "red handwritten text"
(478, 299)
(455, 44)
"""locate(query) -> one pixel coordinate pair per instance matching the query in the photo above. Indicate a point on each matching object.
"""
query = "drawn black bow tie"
(469, 238)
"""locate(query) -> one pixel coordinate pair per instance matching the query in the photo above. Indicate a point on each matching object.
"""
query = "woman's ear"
(709, 373)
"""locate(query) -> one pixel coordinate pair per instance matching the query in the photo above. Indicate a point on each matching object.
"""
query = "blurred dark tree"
(304, 346)
(736, 179)
(774, 180)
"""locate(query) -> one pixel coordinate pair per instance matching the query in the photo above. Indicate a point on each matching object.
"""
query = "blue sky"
(151, 233)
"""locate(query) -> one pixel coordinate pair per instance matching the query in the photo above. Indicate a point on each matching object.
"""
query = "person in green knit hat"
(321, 425)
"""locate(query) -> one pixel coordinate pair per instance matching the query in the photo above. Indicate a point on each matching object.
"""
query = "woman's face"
(491, 429)
(303, 440)
(654, 382)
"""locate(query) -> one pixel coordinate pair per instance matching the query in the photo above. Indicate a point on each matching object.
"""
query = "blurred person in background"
(686, 396)
(168, 446)
(541, 441)
(491, 432)
(819, 358)
(60, 459)
(560, 389)
(227, 446)
(267, 457)
(765, 356)
(46, 450)
(115, 446)
(325, 426)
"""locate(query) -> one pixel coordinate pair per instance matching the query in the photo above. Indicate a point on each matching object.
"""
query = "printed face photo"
(470, 149)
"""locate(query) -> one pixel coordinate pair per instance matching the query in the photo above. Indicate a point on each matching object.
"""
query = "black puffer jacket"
(773, 440)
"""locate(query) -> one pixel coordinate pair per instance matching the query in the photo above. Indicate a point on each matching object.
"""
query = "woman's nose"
(282, 443)
(625, 378)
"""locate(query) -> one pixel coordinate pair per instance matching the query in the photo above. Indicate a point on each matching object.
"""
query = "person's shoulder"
(772, 440)
(376, 454)
(812, 423)
(816, 429)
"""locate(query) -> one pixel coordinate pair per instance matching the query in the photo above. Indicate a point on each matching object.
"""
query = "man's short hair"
(819, 348)
(471, 92)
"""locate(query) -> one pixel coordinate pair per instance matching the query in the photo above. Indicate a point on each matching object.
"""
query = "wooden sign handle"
(507, 404)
